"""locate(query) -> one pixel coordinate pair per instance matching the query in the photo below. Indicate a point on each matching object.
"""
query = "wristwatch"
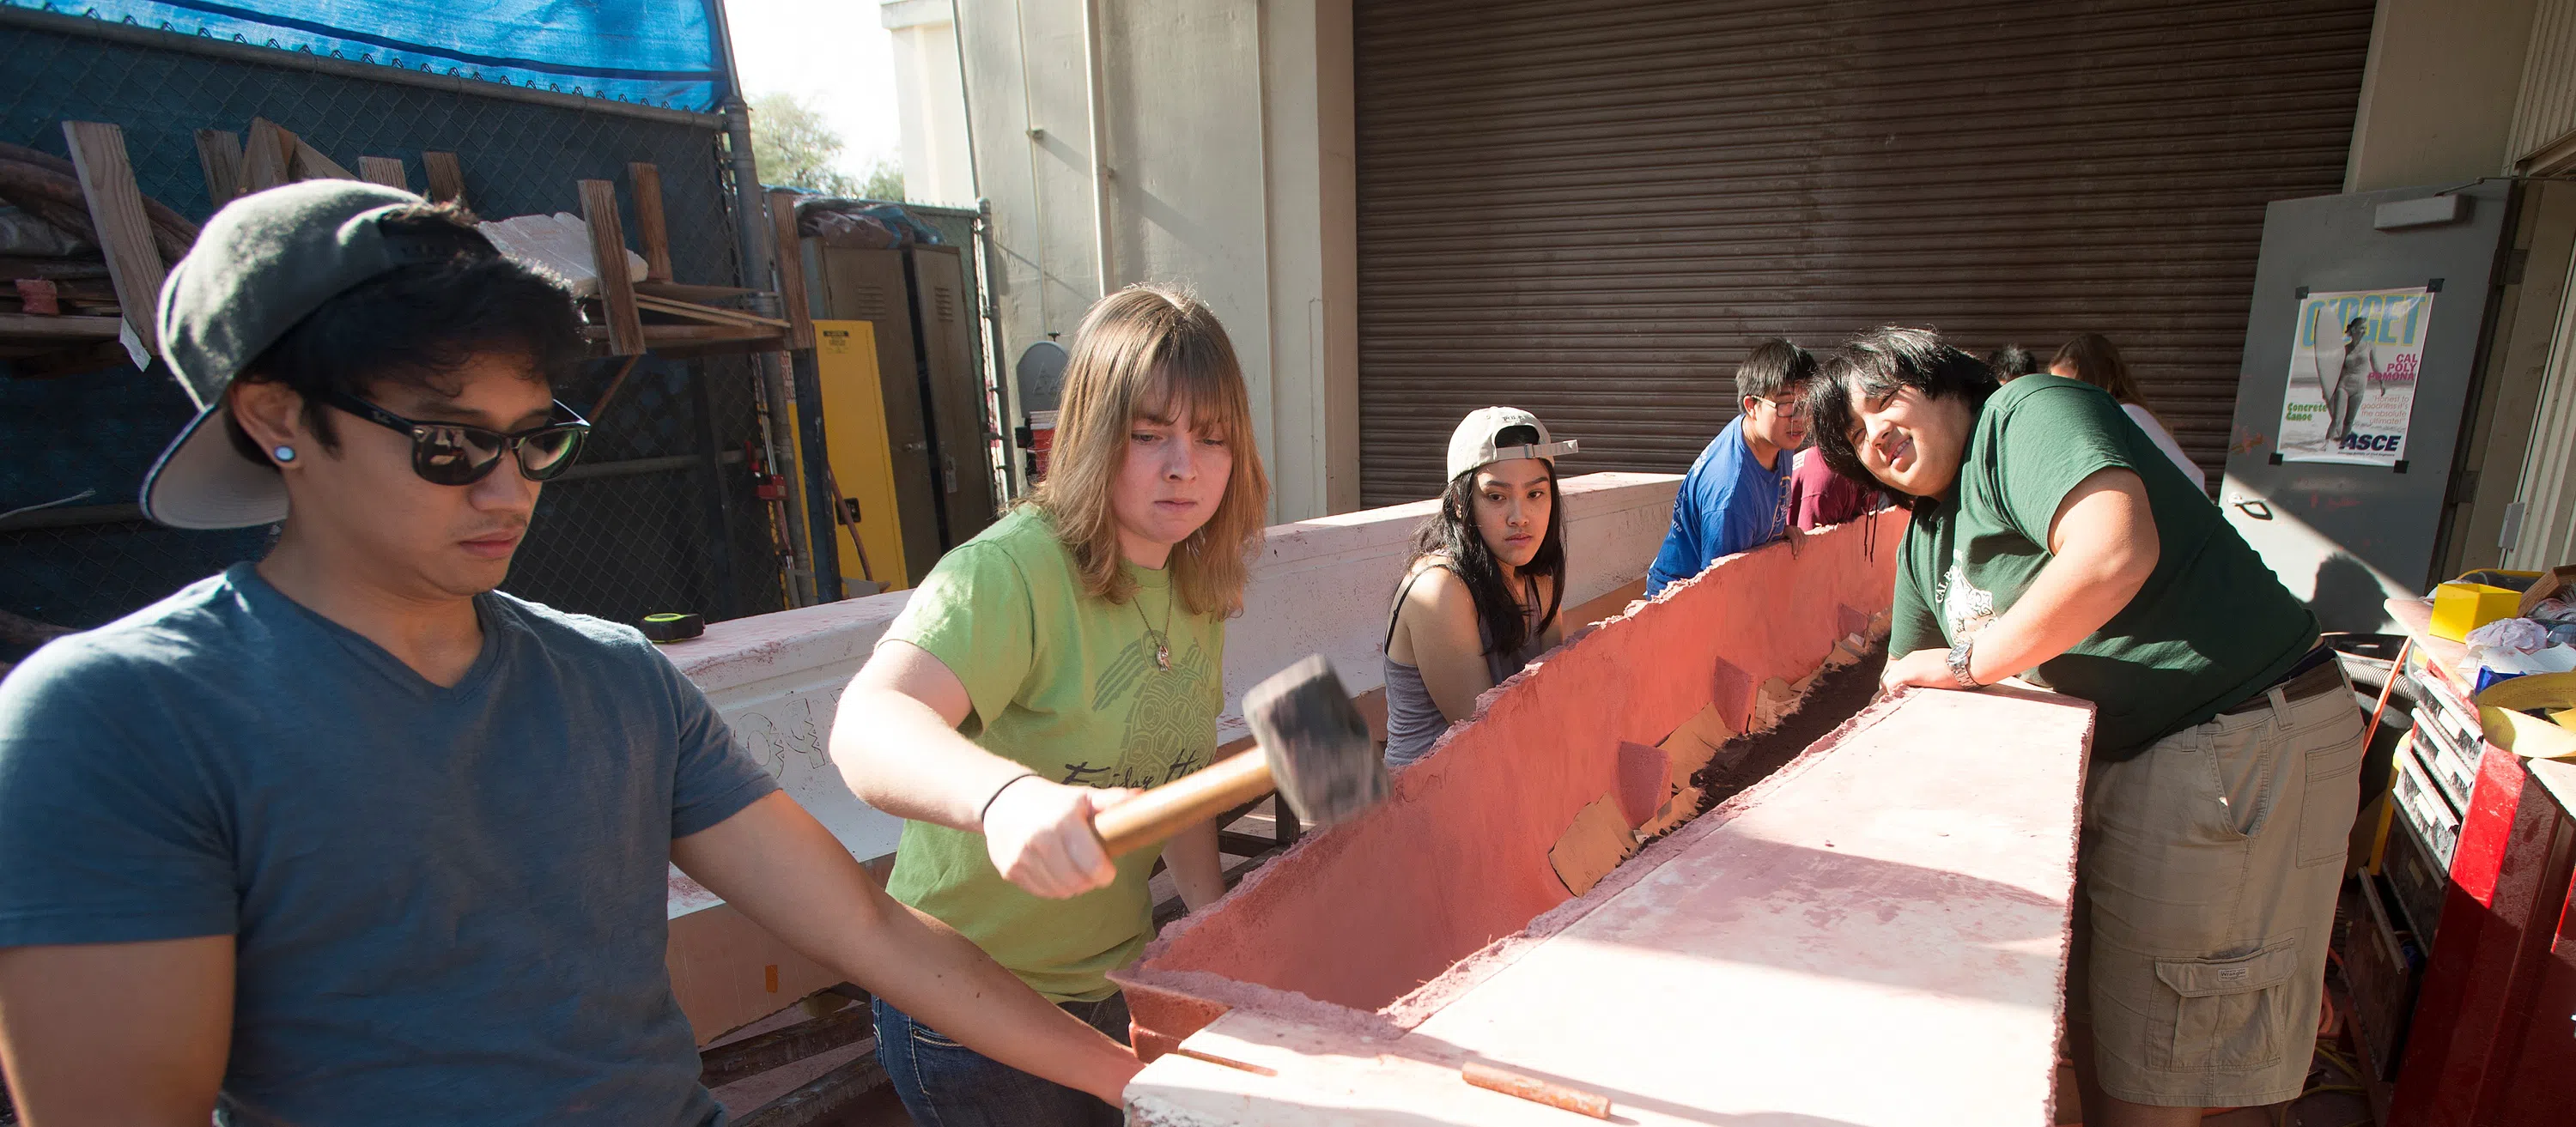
(1958, 662)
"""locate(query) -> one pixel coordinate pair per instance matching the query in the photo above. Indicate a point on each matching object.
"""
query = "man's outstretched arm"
(125, 1033)
(780, 867)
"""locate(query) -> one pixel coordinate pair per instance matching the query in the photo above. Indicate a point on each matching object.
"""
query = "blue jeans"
(945, 1084)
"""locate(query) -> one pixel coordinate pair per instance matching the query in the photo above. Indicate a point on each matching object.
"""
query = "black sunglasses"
(457, 454)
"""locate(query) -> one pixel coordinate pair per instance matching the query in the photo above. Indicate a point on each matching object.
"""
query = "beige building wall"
(930, 96)
(1193, 143)
(2437, 100)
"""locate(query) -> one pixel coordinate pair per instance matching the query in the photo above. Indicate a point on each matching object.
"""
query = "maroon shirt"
(1818, 496)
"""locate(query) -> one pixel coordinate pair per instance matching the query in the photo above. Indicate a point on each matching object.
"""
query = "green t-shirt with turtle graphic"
(1066, 684)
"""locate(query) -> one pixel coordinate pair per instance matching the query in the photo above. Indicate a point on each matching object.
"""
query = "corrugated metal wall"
(1595, 213)
(2546, 112)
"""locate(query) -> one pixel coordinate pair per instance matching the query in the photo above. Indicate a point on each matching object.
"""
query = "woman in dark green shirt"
(2053, 542)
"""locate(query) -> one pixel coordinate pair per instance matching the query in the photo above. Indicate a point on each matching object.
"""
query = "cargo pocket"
(2228, 1013)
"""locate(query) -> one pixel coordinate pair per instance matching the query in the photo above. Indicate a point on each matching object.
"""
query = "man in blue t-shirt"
(347, 836)
(1735, 497)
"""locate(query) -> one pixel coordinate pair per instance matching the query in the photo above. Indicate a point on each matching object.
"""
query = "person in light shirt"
(2093, 359)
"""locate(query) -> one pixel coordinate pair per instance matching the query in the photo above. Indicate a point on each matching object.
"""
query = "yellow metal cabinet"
(854, 426)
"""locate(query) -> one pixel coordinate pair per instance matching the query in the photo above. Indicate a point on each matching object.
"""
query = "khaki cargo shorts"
(2210, 865)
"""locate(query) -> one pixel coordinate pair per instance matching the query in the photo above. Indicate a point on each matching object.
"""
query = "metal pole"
(1091, 83)
(988, 306)
(760, 260)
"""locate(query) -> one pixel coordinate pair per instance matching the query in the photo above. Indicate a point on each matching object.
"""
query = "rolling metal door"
(1594, 214)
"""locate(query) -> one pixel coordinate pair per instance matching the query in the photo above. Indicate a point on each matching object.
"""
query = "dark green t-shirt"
(2211, 627)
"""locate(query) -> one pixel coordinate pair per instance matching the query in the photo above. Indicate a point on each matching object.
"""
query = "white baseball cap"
(1471, 446)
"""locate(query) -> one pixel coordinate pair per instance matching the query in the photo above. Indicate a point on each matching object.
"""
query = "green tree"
(796, 148)
(885, 181)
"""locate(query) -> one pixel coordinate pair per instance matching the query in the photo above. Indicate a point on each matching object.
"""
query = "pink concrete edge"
(2074, 898)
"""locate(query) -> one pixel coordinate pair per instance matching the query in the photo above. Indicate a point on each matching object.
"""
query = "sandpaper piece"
(1645, 782)
(1595, 844)
(1693, 746)
(1849, 619)
(1776, 698)
(1730, 689)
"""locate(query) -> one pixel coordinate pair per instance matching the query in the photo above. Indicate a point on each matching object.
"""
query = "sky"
(837, 55)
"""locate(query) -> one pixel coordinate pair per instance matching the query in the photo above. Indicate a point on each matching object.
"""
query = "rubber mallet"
(1315, 751)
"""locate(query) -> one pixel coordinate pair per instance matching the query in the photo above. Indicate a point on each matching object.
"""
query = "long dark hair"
(1453, 534)
(1877, 363)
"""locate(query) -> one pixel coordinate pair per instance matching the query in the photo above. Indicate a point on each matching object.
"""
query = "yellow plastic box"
(2461, 607)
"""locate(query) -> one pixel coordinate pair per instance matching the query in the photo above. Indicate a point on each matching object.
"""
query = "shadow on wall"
(2348, 597)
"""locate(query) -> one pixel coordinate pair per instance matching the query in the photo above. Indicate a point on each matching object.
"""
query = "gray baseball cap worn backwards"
(261, 265)
(1472, 446)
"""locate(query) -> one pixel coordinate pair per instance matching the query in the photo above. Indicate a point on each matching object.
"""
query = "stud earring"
(284, 453)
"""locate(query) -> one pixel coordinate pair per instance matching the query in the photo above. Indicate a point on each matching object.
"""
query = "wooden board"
(650, 230)
(265, 161)
(220, 154)
(608, 254)
(707, 313)
(308, 163)
(791, 268)
(683, 291)
(446, 177)
(124, 228)
(21, 326)
(383, 170)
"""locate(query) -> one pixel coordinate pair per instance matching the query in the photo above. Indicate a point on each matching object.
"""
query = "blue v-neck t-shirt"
(1728, 503)
(448, 904)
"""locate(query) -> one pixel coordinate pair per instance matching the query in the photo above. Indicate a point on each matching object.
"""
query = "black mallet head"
(1320, 754)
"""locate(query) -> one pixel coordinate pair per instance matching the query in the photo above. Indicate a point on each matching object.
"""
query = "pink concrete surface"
(1350, 920)
(1877, 934)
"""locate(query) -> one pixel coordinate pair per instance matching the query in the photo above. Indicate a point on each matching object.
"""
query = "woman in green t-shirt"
(1045, 670)
(2053, 541)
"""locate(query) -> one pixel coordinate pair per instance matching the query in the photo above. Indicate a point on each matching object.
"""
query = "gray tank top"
(1413, 720)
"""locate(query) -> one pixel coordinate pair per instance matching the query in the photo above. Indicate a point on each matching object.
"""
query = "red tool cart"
(2493, 1035)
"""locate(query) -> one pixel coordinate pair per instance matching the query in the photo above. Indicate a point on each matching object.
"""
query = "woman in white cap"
(1480, 597)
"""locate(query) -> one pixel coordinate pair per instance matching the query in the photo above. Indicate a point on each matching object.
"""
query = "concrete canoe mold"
(1875, 935)
(1359, 927)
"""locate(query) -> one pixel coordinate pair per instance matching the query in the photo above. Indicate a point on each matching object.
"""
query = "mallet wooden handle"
(1535, 1090)
(1157, 814)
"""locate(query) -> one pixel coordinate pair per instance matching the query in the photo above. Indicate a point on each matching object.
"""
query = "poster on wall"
(2354, 356)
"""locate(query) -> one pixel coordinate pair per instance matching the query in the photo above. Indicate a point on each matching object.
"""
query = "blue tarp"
(659, 52)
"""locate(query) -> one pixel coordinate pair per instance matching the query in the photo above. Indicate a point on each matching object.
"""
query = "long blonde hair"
(1152, 352)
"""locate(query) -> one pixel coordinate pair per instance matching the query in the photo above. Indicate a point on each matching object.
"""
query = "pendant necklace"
(1162, 638)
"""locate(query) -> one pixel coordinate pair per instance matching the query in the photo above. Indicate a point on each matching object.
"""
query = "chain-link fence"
(660, 515)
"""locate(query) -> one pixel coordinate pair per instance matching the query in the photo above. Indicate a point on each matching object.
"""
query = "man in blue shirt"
(347, 836)
(1735, 496)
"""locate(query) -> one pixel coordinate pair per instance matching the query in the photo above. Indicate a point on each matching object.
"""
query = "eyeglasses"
(457, 454)
(1795, 408)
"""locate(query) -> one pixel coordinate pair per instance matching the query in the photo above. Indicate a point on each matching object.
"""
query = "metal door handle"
(2255, 509)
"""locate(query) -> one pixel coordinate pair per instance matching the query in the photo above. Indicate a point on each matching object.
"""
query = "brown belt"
(2314, 678)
